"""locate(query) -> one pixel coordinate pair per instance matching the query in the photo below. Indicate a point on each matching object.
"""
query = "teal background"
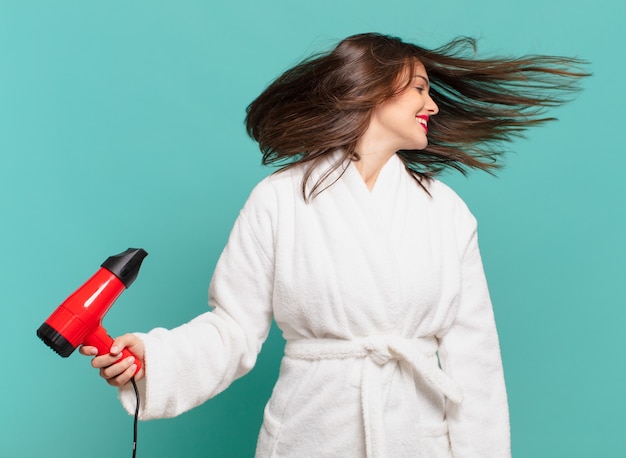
(121, 124)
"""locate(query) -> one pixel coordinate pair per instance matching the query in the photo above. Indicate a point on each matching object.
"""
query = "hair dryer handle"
(103, 342)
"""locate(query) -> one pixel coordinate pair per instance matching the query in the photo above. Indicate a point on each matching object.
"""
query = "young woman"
(367, 263)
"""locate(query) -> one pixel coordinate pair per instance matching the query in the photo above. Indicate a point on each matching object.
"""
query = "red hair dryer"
(78, 320)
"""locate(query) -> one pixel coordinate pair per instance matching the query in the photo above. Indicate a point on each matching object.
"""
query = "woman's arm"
(187, 365)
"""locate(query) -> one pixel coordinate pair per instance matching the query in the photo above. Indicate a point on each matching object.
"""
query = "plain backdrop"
(121, 124)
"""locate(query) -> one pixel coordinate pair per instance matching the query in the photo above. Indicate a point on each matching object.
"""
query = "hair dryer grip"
(103, 342)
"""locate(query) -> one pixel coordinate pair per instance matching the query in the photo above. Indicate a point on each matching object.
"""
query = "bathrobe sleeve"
(187, 365)
(470, 354)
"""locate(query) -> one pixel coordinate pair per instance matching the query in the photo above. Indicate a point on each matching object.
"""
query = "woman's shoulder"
(447, 199)
(280, 182)
(275, 188)
(442, 193)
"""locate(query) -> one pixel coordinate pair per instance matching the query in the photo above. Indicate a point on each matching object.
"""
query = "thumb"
(122, 342)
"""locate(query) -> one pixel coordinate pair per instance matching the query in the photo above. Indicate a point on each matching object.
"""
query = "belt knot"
(377, 348)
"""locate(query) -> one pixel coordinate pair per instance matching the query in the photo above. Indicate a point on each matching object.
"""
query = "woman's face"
(401, 123)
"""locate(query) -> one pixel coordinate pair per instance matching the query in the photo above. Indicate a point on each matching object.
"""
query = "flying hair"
(324, 103)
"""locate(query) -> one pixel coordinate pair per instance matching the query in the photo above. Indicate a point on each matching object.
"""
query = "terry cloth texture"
(392, 349)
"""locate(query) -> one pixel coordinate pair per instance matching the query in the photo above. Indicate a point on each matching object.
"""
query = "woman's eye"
(420, 89)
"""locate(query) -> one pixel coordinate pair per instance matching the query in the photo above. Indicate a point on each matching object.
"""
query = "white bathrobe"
(391, 349)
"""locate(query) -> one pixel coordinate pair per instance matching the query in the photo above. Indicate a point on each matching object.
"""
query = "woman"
(368, 264)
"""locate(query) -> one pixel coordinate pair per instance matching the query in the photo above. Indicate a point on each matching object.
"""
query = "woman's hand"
(118, 372)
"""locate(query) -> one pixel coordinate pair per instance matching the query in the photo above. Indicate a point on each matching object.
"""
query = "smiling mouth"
(423, 120)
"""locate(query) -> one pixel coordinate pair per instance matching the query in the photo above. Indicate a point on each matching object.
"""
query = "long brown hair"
(324, 103)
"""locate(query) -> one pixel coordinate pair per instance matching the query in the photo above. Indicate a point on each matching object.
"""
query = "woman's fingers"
(117, 368)
(103, 361)
(120, 373)
(87, 350)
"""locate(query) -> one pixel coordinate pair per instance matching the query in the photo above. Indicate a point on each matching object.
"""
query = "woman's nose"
(431, 106)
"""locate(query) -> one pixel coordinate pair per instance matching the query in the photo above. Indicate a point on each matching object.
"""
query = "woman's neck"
(372, 158)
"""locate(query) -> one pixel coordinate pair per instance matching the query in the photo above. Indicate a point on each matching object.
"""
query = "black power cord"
(132, 380)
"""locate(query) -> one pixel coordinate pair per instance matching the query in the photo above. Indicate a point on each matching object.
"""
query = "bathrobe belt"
(376, 352)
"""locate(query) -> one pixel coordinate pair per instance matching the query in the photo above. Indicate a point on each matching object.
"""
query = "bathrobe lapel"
(403, 232)
(377, 218)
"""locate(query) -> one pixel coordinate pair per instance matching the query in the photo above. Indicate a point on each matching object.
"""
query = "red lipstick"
(425, 123)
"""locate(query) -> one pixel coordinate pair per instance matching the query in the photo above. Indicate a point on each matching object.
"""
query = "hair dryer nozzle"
(55, 340)
(125, 266)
